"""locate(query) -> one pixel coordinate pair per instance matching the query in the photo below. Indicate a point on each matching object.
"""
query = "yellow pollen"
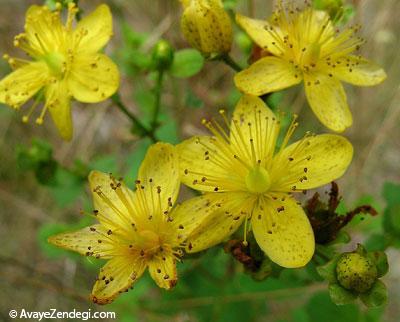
(258, 180)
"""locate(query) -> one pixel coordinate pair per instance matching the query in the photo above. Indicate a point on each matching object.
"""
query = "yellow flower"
(65, 63)
(207, 26)
(304, 46)
(136, 229)
(246, 178)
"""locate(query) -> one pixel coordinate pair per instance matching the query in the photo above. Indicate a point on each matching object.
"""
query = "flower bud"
(356, 272)
(163, 54)
(207, 26)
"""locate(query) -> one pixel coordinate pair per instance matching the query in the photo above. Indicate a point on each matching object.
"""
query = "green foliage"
(131, 56)
(187, 63)
(230, 4)
(67, 187)
(321, 306)
(339, 12)
(391, 220)
(244, 42)
(192, 101)
(134, 159)
(39, 159)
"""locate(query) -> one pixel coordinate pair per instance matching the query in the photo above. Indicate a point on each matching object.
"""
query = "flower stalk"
(228, 60)
(135, 121)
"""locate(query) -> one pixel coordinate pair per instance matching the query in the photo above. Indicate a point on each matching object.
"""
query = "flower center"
(56, 63)
(310, 55)
(149, 240)
(258, 180)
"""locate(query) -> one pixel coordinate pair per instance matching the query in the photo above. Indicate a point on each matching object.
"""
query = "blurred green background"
(40, 197)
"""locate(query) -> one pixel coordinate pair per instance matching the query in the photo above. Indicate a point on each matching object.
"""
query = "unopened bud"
(207, 26)
(356, 272)
(163, 54)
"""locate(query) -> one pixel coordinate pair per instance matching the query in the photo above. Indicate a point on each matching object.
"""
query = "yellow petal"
(159, 175)
(315, 27)
(269, 74)
(190, 215)
(358, 71)
(163, 271)
(228, 210)
(44, 32)
(257, 30)
(115, 207)
(328, 101)
(58, 102)
(311, 162)
(283, 231)
(253, 123)
(20, 85)
(97, 29)
(85, 241)
(115, 277)
(204, 165)
(93, 78)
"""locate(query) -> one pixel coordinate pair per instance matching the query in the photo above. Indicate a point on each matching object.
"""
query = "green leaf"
(132, 38)
(67, 187)
(376, 242)
(274, 99)
(341, 208)
(341, 238)
(320, 306)
(300, 315)
(168, 129)
(381, 262)
(192, 101)
(187, 63)
(135, 159)
(328, 271)
(391, 193)
(230, 4)
(374, 314)
(105, 163)
(391, 219)
(340, 295)
(244, 42)
(376, 296)
(46, 172)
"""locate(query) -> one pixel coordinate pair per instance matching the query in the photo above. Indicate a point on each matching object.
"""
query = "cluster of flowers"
(244, 176)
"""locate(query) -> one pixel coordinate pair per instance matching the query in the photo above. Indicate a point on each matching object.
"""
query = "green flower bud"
(163, 55)
(356, 272)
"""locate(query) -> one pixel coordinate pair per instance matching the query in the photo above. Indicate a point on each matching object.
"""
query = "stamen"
(289, 132)
(26, 117)
(39, 120)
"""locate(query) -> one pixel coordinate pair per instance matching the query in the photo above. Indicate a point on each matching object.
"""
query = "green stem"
(135, 121)
(227, 59)
(157, 94)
